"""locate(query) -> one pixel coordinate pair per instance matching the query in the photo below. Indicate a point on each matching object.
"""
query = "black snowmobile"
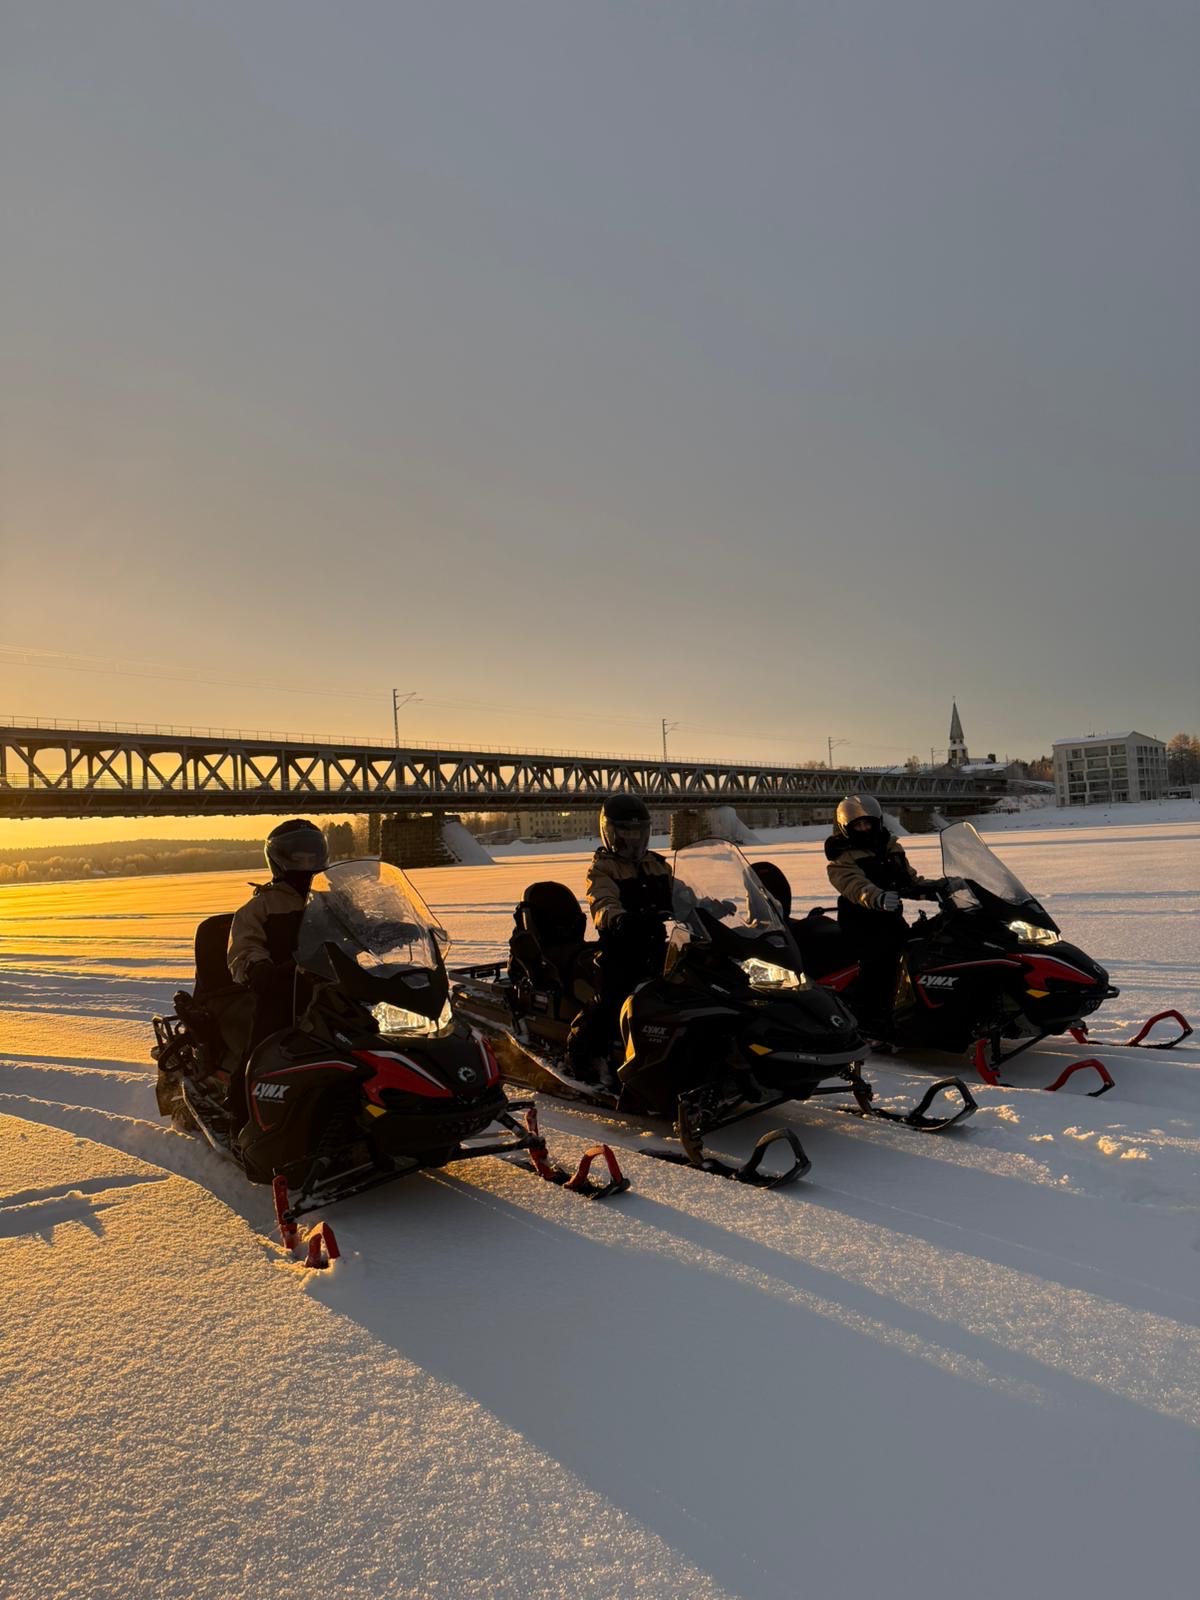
(989, 966)
(729, 1030)
(375, 1080)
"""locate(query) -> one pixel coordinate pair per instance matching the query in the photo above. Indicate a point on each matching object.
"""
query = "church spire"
(957, 753)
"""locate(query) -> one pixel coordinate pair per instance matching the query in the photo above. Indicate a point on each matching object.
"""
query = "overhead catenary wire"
(95, 665)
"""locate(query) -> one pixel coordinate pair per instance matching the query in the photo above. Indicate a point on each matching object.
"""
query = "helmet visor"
(302, 851)
(630, 840)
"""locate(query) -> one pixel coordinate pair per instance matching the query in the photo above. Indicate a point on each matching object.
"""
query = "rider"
(264, 933)
(629, 895)
(869, 869)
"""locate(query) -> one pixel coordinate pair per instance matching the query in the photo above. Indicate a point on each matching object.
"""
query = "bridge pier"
(414, 839)
(688, 826)
(918, 819)
(707, 822)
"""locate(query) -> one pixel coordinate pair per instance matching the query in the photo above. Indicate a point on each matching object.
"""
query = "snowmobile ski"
(916, 1118)
(1139, 1041)
(707, 1109)
(580, 1181)
(988, 1069)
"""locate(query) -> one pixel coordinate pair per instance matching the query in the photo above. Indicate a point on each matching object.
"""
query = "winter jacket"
(266, 928)
(615, 885)
(863, 874)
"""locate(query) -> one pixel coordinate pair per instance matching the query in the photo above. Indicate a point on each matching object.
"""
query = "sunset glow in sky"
(781, 371)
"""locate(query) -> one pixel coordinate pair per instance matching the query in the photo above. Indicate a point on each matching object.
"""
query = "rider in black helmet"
(872, 874)
(629, 895)
(262, 939)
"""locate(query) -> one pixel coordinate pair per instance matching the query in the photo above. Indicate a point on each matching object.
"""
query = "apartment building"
(1105, 768)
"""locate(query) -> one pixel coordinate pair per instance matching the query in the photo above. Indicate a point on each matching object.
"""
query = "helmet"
(296, 846)
(855, 806)
(625, 826)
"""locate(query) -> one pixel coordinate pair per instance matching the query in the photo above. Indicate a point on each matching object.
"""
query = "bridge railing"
(20, 725)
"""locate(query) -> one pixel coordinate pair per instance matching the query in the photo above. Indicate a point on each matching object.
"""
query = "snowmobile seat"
(212, 969)
(228, 1008)
(775, 883)
(548, 947)
(823, 946)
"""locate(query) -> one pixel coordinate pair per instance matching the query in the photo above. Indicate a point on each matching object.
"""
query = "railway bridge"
(59, 770)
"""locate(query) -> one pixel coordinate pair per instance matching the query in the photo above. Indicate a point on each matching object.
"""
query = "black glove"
(889, 900)
(262, 976)
(645, 920)
(719, 908)
(948, 885)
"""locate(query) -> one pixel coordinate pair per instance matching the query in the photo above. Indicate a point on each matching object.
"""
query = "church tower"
(956, 756)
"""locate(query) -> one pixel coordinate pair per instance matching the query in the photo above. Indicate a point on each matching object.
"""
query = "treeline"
(137, 857)
(1183, 758)
(128, 858)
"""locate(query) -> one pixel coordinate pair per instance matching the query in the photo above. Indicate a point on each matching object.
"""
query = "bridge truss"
(58, 772)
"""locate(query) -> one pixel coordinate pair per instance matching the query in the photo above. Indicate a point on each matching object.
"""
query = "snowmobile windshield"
(964, 855)
(371, 911)
(720, 897)
(366, 926)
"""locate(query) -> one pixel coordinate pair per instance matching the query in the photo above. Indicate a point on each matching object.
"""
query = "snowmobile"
(729, 1029)
(989, 966)
(375, 1080)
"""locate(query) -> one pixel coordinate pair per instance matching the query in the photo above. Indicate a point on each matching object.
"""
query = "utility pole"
(399, 700)
(667, 727)
(830, 743)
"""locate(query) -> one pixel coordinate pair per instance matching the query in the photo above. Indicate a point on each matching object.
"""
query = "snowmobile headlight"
(764, 975)
(1029, 934)
(395, 1019)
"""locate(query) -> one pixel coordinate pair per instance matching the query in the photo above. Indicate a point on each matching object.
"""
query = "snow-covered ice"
(941, 1365)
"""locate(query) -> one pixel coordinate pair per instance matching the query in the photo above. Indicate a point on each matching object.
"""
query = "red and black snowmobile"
(989, 973)
(729, 1030)
(375, 1080)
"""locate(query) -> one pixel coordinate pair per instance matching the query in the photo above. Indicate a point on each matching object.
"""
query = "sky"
(780, 371)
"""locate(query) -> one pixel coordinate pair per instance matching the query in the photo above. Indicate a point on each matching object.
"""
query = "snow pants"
(878, 937)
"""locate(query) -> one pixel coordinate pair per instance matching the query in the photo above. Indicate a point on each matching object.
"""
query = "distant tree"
(339, 837)
(913, 764)
(1183, 758)
(1042, 769)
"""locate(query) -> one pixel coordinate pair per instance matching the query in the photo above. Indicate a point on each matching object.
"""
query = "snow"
(727, 824)
(1033, 812)
(967, 1363)
(463, 845)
